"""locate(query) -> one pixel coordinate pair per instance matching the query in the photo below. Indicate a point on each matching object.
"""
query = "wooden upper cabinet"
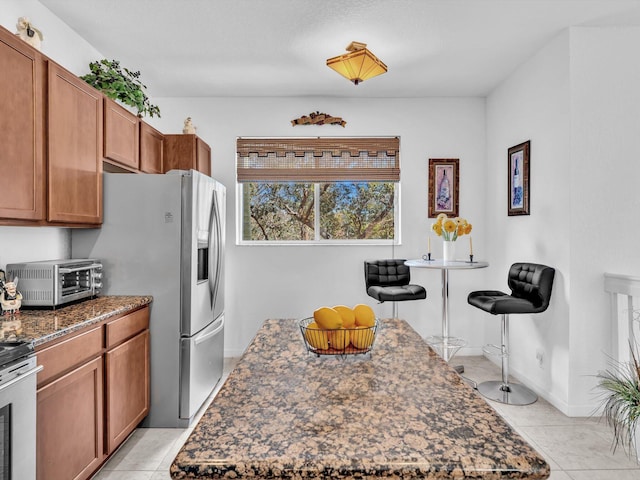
(185, 152)
(75, 124)
(203, 157)
(22, 84)
(121, 135)
(151, 149)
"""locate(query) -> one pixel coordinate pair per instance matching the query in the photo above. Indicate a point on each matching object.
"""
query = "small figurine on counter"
(189, 127)
(29, 33)
(10, 298)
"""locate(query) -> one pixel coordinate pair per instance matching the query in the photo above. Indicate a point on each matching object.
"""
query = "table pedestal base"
(446, 347)
(511, 394)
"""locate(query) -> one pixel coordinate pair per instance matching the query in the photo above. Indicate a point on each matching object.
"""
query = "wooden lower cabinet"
(127, 388)
(69, 424)
(94, 395)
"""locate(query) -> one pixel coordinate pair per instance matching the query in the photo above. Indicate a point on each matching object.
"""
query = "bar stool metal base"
(511, 394)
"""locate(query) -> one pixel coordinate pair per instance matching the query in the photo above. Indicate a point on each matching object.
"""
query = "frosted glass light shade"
(358, 64)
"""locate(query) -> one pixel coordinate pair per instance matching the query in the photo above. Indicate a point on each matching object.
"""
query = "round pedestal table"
(444, 344)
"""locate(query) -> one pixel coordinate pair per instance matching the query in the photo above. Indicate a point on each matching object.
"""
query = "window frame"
(318, 146)
(318, 241)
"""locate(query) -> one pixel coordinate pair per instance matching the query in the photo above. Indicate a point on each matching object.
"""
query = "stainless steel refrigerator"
(163, 235)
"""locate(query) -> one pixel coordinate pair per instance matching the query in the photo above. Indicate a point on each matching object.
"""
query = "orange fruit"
(327, 318)
(347, 314)
(365, 317)
(316, 337)
(362, 337)
(339, 339)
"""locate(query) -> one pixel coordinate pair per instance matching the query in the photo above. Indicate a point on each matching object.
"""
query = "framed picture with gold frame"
(518, 179)
(444, 180)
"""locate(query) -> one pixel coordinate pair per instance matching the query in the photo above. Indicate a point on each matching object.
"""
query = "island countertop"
(399, 412)
(44, 325)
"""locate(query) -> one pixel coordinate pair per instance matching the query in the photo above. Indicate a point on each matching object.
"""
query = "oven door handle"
(80, 269)
(33, 371)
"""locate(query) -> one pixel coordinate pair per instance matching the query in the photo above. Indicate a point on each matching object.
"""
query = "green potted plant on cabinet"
(620, 388)
(120, 83)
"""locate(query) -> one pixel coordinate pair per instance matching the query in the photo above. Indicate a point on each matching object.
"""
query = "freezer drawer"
(201, 362)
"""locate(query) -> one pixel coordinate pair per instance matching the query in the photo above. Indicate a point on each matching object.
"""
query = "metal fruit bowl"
(342, 341)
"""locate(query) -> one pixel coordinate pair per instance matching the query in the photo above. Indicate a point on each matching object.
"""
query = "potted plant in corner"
(620, 389)
(119, 83)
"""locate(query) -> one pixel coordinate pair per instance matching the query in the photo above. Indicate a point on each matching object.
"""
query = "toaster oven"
(51, 283)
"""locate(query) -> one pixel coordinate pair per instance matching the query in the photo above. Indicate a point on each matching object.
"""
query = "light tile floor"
(575, 448)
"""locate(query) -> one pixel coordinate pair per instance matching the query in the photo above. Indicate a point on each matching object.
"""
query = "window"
(318, 190)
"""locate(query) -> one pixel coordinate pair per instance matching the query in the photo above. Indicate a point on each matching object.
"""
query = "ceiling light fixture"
(358, 65)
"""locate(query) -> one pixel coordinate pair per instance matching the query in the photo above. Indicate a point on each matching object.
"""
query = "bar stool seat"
(531, 286)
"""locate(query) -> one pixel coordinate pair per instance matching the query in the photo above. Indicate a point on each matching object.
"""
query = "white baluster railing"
(625, 307)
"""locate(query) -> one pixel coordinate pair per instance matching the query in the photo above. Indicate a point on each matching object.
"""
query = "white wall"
(577, 101)
(275, 281)
(533, 104)
(605, 121)
(60, 43)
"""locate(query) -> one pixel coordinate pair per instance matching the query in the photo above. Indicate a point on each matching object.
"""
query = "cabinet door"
(21, 130)
(121, 135)
(179, 152)
(186, 152)
(127, 387)
(75, 149)
(151, 149)
(203, 155)
(69, 424)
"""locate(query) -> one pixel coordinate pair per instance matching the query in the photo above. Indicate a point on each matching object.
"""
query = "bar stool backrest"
(386, 273)
(532, 282)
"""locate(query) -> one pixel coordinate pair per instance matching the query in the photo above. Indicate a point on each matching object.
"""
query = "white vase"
(448, 251)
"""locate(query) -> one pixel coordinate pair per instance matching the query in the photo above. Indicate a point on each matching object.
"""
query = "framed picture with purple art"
(444, 179)
(518, 183)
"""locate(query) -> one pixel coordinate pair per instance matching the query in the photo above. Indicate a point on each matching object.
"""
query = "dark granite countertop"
(400, 412)
(44, 325)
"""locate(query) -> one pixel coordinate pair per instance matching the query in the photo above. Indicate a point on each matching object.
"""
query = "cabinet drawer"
(127, 326)
(66, 355)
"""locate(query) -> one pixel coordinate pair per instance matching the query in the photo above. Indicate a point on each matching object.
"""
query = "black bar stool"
(530, 285)
(389, 281)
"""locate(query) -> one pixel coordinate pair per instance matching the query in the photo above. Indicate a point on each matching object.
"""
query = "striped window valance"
(374, 159)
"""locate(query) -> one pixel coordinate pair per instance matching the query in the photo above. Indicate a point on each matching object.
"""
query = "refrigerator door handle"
(212, 222)
(215, 236)
(213, 333)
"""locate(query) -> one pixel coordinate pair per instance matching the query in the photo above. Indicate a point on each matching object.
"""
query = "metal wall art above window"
(318, 159)
(317, 118)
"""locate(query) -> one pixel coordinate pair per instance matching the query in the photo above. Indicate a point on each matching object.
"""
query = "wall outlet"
(540, 357)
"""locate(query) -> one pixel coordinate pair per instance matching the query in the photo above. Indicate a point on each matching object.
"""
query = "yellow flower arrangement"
(450, 228)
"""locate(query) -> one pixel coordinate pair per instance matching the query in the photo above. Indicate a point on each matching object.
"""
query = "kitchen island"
(399, 412)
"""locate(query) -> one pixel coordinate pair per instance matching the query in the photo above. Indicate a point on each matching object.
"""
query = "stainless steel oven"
(18, 411)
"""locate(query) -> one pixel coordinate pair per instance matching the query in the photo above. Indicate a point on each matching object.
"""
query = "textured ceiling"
(279, 47)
